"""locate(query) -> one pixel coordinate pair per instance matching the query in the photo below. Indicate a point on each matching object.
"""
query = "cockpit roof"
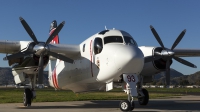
(114, 32)
(113, 36)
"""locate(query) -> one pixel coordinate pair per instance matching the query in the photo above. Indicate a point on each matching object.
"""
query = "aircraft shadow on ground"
(153, 104)
(93, 104)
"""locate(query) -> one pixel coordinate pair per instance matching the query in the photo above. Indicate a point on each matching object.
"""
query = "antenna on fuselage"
(106, 28)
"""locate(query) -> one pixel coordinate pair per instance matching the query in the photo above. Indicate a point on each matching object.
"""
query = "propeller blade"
(40, 70)
(57, 30)
(17, 55)
(61, 57)
(185, 62)
(178, 39)
(157, 36)
(28, 30)
(167, 75)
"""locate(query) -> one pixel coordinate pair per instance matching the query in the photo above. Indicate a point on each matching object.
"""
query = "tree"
(197, 82)
(153, 83)
(184, 82)
(159, 83)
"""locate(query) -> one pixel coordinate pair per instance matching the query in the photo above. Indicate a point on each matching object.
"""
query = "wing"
(187, 52)
(11, 47)
(71, 51)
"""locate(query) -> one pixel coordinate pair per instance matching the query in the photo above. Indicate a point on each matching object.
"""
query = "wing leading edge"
(11, 47)
(71, 51)
(187, 52)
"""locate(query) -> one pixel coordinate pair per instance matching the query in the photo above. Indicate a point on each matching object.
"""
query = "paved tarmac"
(188, 103)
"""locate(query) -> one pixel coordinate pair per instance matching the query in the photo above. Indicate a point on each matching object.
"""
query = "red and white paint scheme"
(102, 60)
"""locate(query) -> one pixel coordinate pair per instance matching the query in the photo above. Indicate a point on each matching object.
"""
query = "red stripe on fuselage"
(91, 56)
(55, 79)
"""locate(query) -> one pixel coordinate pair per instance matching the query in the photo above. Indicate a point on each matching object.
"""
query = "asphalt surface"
(190, 103)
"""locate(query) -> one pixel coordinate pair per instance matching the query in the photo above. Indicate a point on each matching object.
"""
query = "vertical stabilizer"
(53, 63)
(53, 26)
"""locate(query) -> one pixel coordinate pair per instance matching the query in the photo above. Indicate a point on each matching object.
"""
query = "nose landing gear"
(134, 89)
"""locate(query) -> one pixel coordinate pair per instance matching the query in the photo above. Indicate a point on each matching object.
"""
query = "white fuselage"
(91, 71)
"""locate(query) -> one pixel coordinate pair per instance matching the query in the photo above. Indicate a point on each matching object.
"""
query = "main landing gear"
(29, 93)
(143, 100)
(134, 89)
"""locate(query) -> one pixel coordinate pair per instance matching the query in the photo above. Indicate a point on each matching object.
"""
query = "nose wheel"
(126, 105)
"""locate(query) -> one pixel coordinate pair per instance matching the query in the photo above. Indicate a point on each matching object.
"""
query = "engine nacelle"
(153, 67)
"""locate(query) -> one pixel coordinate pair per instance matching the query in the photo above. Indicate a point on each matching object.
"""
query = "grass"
(174, 90)
(50, 95)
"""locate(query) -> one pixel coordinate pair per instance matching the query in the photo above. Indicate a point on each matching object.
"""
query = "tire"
(132, 105)
(27, 97)
(125, 105)
(144, 100)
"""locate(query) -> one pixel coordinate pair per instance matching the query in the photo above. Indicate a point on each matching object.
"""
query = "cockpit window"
(113, 39)
(98, 45)
(129, 40)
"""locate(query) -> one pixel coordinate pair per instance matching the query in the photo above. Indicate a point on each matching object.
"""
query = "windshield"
(113, 39)
(129, 40)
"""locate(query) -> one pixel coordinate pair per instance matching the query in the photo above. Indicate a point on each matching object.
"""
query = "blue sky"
(85, 17)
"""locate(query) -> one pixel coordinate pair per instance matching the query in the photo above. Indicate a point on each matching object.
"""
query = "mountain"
(173, 74)
(178, 78)
(6, 76)
(194, 78)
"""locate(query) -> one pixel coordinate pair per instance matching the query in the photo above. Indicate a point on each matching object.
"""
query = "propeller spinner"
(39, 48)
(168, 54)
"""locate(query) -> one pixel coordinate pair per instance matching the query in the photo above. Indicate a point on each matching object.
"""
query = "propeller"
(39, 48)
(168, 54)
(28, 30)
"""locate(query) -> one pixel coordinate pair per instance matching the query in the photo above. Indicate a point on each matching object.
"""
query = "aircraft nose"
(129, 59)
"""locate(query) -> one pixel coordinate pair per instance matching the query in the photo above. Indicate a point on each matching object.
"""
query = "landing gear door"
(131, 82)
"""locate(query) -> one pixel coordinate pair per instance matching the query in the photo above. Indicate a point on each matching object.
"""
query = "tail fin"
(53, 26)
(53, 62)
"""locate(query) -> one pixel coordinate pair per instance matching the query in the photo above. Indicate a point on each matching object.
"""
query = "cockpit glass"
(113, 39)
(129, 40)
